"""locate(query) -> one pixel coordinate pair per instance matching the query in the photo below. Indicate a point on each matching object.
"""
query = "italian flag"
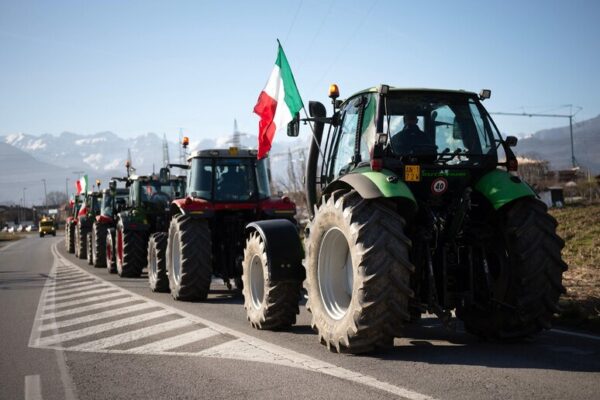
(277, 104)
(82, 184)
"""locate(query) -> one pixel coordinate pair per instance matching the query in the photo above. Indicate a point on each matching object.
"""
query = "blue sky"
(133, 67)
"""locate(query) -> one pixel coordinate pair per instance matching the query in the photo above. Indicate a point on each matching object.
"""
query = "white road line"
(175, 341)
(84, 300)
(576, 334)
(92, 330)
(54, 293)
(133, 335)
(68, 275)
(94, 292)
(60, 287)
(73, 292)
(270, 353)
(88, 308)
(94, 317)
(33, 387)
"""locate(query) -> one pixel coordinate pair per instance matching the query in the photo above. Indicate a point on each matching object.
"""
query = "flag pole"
(312, 130)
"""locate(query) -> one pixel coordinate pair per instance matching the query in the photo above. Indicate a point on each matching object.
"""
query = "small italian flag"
(277, 104)
(82, 184)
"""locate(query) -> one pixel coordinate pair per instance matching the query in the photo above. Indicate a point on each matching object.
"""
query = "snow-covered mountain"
(26, 159)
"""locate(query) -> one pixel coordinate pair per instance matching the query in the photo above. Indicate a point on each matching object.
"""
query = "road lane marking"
(99, 286)
(94, 292)
(91, 299)
(63, 287)
(175, 341)
(242, 347)
(97, 316)
(576, 334)
(133, 335)
(33, 387)
(93, 330)
(92, 307)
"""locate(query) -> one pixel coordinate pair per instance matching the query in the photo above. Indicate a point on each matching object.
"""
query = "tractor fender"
(501, 188)
(376, 184)
(283, 247)
(132, 224)
(195, 208)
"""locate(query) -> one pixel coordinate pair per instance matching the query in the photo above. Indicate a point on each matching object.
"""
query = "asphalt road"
(69, 331)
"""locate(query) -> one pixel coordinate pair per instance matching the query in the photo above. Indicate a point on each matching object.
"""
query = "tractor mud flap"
(283, 247)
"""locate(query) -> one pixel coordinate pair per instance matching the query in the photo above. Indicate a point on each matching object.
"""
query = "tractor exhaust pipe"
(318, 112)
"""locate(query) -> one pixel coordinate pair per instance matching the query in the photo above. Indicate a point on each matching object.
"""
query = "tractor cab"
(223, 176)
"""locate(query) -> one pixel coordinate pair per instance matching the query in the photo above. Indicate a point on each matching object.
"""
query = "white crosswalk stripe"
(83, 283)
(133, 335)
(94, 317)
(175, 341)
(83, 300)
(92, 307)
(63, 337)
(94, 292)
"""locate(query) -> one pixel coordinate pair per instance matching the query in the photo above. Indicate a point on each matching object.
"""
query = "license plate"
(412, 173)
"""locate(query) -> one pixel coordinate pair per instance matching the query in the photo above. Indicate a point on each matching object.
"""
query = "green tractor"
(415, 206)
(113, 198)
(145, 214)
(90, 207)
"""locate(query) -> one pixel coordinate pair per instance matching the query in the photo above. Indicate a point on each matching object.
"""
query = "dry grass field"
(579, 226)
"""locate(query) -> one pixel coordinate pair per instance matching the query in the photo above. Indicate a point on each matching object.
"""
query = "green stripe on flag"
(292, 96)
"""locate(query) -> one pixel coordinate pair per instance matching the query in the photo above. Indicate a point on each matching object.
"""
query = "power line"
(569, 116)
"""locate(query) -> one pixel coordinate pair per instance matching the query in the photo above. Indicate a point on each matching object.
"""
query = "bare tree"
(56, 198)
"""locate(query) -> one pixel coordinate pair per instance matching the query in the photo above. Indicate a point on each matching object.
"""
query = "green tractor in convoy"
(90, 207)
(415, 206)
(226, 190)
(142, 220)
(113, 198)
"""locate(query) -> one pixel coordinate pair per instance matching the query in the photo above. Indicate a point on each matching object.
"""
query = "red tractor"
(227, 190)
(71, 224)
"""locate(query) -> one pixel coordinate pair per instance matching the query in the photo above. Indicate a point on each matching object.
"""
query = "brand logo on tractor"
(439, 186)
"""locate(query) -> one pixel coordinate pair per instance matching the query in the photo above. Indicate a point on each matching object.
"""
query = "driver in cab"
(410, 137)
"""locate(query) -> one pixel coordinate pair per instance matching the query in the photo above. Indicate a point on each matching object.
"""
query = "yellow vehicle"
(47, 227)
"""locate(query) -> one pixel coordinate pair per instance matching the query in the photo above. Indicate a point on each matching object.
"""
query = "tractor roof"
(412, 90)
(232, 152)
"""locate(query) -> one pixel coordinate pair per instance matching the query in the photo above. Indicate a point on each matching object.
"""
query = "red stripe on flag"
(78, 186)
(265, 108)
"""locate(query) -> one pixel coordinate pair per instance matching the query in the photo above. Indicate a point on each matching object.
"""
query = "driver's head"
(410, 118)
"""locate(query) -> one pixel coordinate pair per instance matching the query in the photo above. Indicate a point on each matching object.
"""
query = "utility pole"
(45, 195)
(67, 188)
(24, 206)
(570, 116)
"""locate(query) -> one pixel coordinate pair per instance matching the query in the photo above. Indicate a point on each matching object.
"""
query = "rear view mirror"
(293, 128)
(456, 131)
(511, 141)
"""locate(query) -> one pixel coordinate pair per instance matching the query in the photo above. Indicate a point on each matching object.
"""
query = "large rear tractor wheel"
(189, 258)
(80, 241)
(157, 263)
(358, 273)
(111, 259)
(88, 251)
(525, 268)
(269, 305)
(99, 245)
(70, 237)
(130, 251)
